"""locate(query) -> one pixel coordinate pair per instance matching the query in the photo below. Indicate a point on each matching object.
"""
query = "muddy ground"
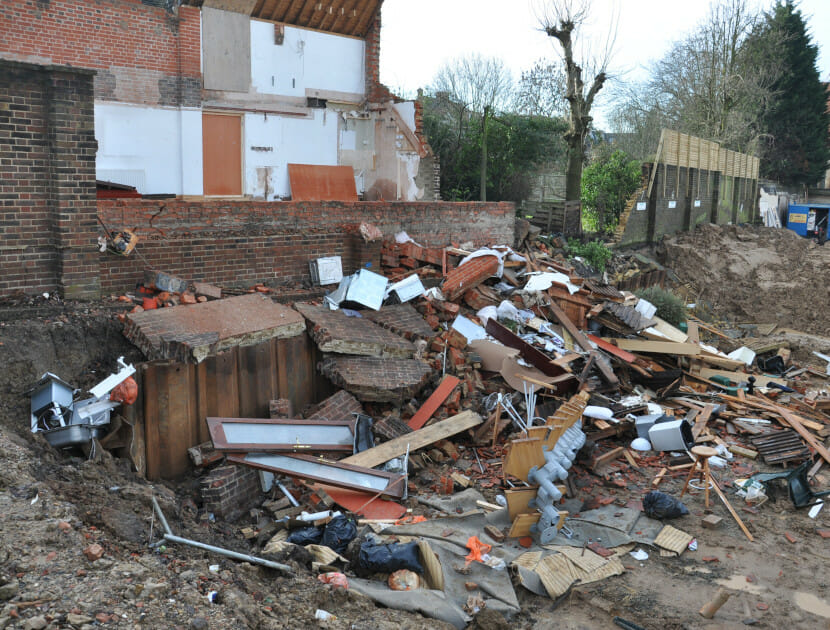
(53, 506)
(752, 274)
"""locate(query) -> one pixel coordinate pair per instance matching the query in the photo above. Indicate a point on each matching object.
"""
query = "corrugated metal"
(240, 382)
(311, 182)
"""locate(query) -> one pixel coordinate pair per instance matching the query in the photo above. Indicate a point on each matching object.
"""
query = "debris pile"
(498, 408)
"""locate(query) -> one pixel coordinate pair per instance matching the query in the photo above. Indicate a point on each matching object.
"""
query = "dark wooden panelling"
(237, 383)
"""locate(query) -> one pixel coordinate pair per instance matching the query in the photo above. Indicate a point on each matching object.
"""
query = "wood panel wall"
(175, 398)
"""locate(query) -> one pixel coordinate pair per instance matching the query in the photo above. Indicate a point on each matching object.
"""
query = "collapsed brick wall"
(47, 180)
(227, 241)
(229, 490)
(140, 51)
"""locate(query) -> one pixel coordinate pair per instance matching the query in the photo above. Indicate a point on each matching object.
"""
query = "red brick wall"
(245, 241)
(47, 181)
(139, 50)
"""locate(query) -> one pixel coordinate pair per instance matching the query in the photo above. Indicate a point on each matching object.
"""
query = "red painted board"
(432, 403)
(353, 500)
(610, 348)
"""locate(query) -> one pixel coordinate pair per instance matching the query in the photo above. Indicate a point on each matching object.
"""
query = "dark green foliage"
(515, 146)
(595, 253)
(795, 126)
(669, 306)
(607, 183)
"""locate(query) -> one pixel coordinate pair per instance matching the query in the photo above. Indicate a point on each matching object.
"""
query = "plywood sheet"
(313, 182)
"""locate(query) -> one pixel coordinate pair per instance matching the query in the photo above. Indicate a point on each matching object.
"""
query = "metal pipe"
(288, 495)
(168, 535)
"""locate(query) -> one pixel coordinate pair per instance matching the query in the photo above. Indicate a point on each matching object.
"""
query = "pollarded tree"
(796, 125)
(561, 20)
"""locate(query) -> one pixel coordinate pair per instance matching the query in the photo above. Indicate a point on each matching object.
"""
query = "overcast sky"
(418, 37)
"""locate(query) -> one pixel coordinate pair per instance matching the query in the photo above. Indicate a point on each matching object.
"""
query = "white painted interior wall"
(272, 142)
(144, 147)
(305, 59)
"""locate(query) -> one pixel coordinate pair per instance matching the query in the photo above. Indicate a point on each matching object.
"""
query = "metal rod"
(168, 535)
(288, 495)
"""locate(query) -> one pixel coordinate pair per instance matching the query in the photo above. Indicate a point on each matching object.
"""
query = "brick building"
(207, 101)
(180, 82)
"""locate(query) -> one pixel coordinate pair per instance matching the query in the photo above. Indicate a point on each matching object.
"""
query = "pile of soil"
(753, 274)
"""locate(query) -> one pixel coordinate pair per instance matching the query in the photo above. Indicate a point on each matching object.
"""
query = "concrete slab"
(334, 331)
(403, 320)
(191, 333)
(377, 380)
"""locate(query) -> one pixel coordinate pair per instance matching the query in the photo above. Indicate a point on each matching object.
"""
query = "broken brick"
(469, 275)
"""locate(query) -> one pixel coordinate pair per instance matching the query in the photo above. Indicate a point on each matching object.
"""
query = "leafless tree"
(709, 84)
(478, 85)
(541, 90)
(562, 20)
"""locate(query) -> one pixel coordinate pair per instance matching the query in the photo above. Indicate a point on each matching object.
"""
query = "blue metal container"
(810, 220)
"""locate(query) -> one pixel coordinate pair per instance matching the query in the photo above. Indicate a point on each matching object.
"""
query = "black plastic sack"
(305, 536)
(339, 532)
(389, 558)
(660, 505)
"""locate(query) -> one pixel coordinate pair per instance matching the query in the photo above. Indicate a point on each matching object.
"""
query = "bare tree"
(710, 84)
(478, 85)
(541, 90)
(562, 19)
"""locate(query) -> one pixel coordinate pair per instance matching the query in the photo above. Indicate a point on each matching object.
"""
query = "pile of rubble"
(489, 401)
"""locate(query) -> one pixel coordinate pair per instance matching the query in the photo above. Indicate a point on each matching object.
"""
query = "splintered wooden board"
(523, 454)
(657, 347)
(415, 440)
(522, 524)
(738, 377)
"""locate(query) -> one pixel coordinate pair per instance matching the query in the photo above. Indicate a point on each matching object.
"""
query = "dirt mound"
(753, 274)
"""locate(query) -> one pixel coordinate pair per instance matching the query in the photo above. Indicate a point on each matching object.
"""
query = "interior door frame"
(241, 117)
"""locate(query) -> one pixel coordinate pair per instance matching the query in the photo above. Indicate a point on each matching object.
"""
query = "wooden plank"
(572, 329)
(610, 348)
(432, 403)
(606, 458)
(522, 455)
(630, 458)
(151, 421)
(702, 419)
(532, 355)
(659, 477)
(798, 426)
(657, 347)
(729, 507)
(415, 440)
(522, 524)
(665, 332)
(738, 377)
(518, 499)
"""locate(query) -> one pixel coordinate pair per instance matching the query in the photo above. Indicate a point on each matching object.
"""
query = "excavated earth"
(753, 274)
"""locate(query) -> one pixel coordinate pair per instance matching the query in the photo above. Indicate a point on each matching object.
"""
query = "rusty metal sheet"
(312, 182)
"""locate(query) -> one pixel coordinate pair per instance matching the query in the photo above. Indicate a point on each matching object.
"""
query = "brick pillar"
(376, 92)
(72, 148)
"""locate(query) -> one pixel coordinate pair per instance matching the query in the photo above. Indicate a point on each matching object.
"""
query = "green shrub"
(669, 306)
(594, 252)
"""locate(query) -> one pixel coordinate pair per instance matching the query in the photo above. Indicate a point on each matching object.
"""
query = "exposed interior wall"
(245, 241)
(226, 50)
(157, 150)
(298, 62)
(47, 181)
(272, 142)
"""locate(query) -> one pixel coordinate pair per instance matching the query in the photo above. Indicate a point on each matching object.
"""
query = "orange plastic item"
(335, 579)
(477, 549)
(404, 580)
(411, 519)
(126, 392)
